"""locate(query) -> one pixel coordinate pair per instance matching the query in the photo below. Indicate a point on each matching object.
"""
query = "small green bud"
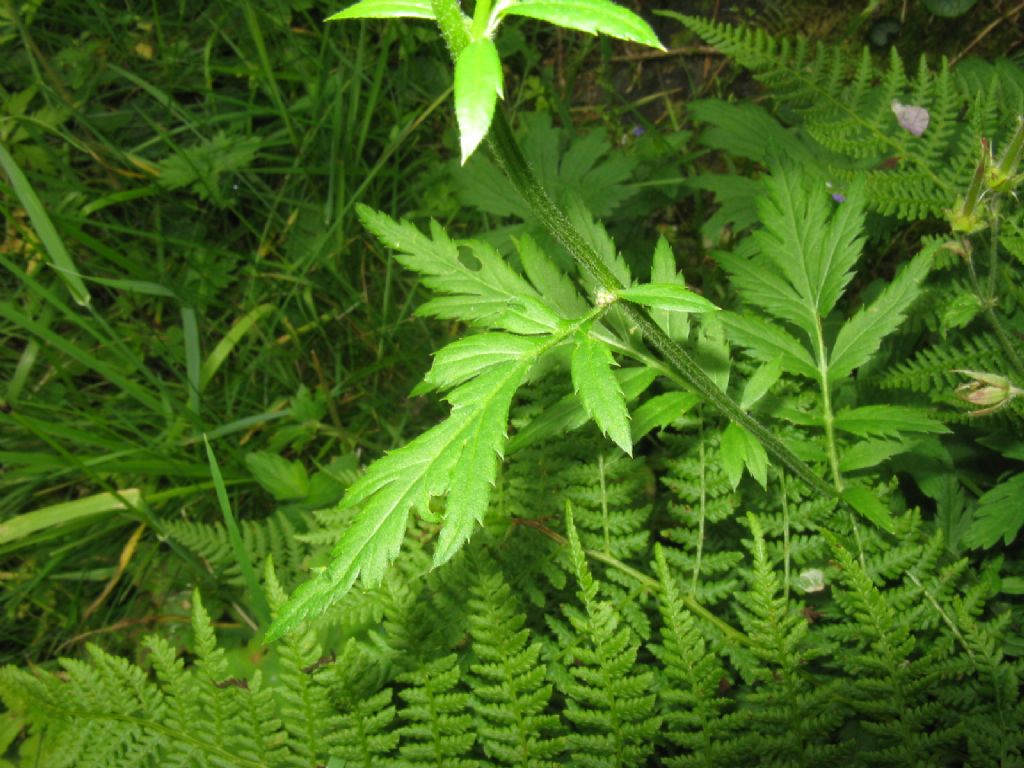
(967, 216)
(992, 391)
(1003, 176)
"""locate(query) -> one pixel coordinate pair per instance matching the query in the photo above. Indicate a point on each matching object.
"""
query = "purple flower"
(839, 197)
(638, 131)
(912, 119)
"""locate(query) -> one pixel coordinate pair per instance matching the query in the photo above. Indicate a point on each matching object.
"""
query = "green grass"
(199, 165)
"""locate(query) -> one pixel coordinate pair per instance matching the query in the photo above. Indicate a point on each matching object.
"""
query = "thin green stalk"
(785, 535)
(986, 300)
(604, 505)
(827, 417)
(703, 509)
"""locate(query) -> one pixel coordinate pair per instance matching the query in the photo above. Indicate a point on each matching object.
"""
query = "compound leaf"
(862, 334)
(471, 281)
(458, 457)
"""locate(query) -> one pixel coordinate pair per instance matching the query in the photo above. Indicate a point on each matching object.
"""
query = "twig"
(984, 33)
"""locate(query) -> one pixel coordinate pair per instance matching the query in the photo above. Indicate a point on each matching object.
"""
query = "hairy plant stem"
(987, 297)
(506, 152)
(510, 158)
(652, 584)
(785, 534)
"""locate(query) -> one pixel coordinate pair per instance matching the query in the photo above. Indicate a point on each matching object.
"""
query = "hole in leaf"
(468, 260)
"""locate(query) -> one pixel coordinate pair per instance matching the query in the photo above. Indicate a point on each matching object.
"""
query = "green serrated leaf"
(886, 421)
(663, 270)
(667, 296)
(999, 515)
(549, 280)
(385, 9)
(862, 334)
(284, 480)
(478, 84)
(473, 282)
(731, 453)
(599, 390)
(474, 355)
(762, 380)
(474, 475)
(867, 504)
(739, 449)
(869, 453)
(592, 16)
(458, 456)
(765, 341)
(660, 411)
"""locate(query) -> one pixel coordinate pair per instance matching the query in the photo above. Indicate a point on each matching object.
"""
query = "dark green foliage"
(895, 681)
(110, 712)
(485, 594)
(845, 106)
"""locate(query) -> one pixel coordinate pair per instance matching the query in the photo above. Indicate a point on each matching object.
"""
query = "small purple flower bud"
(638, 131)
(838, 197)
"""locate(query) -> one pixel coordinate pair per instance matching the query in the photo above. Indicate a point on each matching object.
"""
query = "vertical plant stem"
(604, 505)
(703, 508)
(988, 298)
(828, 421)
(785, 534)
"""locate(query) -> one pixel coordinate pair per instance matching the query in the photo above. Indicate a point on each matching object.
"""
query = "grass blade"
(59, 257)
(252, 584)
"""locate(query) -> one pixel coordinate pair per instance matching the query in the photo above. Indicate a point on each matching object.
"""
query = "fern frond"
(277, 536)
(796, 715)
(303, 695)
(438, 730)
(609, 695)
(510, 694)
(893, 681)
(933, 367)
(701, 512)
(108, 711)
(691, 704)
(994, 735)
